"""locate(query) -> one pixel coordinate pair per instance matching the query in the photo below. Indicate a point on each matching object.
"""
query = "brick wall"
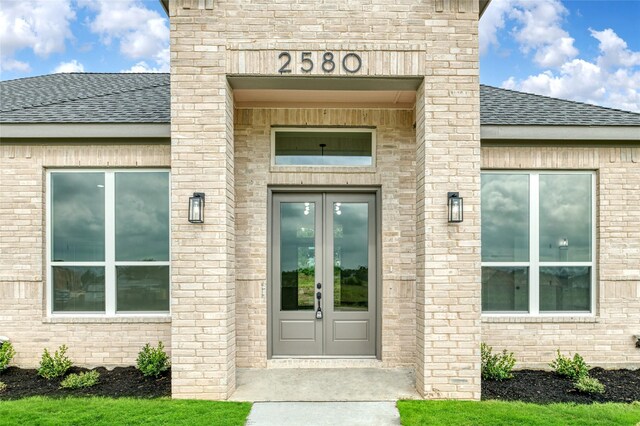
(435, 40)
(23, 317)
(606, 339)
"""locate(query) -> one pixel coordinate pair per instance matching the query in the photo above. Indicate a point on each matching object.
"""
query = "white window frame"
(318, 130)
(534, 264)
(109, 264)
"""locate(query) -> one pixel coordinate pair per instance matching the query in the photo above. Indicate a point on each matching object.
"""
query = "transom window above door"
(322, 147)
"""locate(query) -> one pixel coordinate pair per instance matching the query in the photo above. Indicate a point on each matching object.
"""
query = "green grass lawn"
(122, 411)
(496, 413)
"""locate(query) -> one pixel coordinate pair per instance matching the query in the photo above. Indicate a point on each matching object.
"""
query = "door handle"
(319, 297)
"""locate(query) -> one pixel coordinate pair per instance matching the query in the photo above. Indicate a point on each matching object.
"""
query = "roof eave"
(551, 133)
(84, 130)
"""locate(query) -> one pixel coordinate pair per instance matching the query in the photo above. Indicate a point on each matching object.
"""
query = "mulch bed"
(536, 386)
(119, 382)
(545, 387)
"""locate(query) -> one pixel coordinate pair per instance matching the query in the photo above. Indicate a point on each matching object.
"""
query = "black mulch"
(544, 387)
(527, 385)
(119, 382)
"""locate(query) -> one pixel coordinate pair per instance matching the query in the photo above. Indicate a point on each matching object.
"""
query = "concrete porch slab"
(325, 384)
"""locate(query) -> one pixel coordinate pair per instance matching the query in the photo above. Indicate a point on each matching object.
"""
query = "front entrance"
(323, 278)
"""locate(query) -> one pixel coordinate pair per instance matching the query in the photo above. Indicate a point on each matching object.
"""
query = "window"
(108, 242)
(537, 242)
(323, 147)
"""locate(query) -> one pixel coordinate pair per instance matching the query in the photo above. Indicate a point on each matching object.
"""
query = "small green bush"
(572, 368)
(496, 367)
(588, 384)
(82, 380)
(152, 361)
(56, 366)
(3, 387)
(6, 355)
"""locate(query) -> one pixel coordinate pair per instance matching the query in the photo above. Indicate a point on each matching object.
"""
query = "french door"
(323, 279)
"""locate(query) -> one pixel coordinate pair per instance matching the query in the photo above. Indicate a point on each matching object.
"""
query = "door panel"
(350, 244)
(323, 244)
(297, 239)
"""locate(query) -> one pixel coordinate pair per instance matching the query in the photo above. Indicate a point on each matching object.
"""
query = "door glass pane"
(565, 217)
(350, 256)
(323, 148)
(78, 217)
(142, 288)
(297, 256)
(142, 216)
(505, 217)
(565, 288)
(505, 289)
(78, 289)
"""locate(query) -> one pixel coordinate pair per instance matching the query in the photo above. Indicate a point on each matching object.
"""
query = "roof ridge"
(561, 100)
(59, 102)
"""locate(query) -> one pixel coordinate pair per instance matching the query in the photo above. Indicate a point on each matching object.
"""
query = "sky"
(583, 50)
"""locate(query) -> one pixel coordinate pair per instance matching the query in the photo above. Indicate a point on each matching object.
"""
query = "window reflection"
(323, 148)
(565, 217)
(142, 216)
(565, 288)
(142, 288)
(78, 289)
(351, 256)
(505, 217)
(505, 289)
(77, 217)
(297, 256)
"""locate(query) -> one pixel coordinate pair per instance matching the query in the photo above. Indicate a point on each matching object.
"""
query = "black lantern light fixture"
(196, 208)
(455, 203)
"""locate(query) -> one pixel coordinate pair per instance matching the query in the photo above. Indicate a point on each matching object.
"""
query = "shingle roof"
(86, 98)
(145, 98)
(508, 107)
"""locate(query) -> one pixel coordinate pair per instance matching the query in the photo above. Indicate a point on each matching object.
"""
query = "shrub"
(152, 361)
(82, 380)
(572, 368)
(588, 384)
(56, 366)
(496, 367)
(6, 355)
(3, 387)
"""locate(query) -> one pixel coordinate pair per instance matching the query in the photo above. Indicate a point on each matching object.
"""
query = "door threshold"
(324, 362)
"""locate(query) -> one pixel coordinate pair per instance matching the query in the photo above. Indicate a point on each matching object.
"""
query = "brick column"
(203, 263)
(448, 255)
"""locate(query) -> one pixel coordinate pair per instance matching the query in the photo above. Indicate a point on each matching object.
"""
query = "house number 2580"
(351, 62)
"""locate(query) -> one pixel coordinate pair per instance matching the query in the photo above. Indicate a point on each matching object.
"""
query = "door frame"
(342, 189)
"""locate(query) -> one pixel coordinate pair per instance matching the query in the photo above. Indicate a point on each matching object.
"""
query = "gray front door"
(323, 274)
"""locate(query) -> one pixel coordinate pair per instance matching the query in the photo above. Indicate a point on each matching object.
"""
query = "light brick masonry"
(431, 271)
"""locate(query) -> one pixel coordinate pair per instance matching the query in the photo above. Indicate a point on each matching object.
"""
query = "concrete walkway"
(324, 396)
(324, 414)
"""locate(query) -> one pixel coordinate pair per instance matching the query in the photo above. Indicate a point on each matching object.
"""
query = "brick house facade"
(407, 72)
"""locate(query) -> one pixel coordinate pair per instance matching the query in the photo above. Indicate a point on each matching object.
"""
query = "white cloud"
(42, 26)
(142, 34)
(537, 28)
(612, 79)
(71, 66)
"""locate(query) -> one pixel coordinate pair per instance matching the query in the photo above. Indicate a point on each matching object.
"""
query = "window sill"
(107, 320)
(323, 169)
(541, 319)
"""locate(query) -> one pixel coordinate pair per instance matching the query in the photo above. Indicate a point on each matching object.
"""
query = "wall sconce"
(637, 336)
(196, 208)
(455, 203)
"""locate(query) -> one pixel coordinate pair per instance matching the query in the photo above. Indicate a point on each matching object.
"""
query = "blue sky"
(585, 50)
